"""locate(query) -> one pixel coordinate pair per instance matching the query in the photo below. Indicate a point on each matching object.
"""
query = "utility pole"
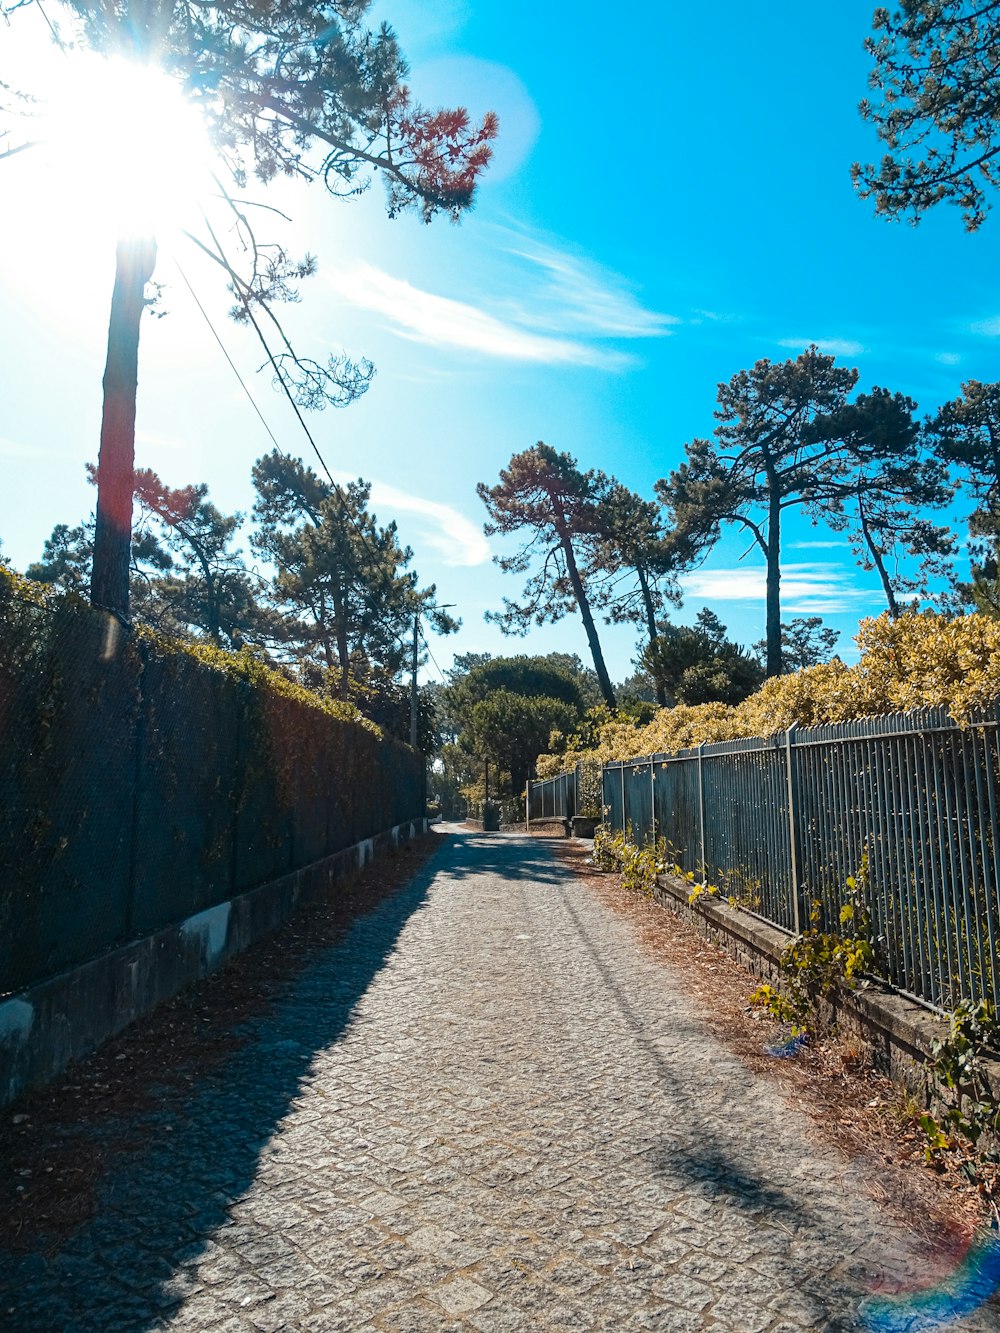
(413, 682)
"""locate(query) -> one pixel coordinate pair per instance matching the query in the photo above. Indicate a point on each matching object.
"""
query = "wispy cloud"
(832, 346)
(987, 328)
(812, 589)
(456, 539)
(441, 321)
(576, 296)
(816, 546)
(17, 449)
(947, 358)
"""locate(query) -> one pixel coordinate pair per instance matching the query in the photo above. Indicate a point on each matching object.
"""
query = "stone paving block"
(460, 1296)
(485, 1110)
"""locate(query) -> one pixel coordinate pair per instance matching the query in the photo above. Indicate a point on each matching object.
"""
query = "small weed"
(817, 963)
(957, 1065)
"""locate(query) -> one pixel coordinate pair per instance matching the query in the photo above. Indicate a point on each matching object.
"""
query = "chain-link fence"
(139, 785)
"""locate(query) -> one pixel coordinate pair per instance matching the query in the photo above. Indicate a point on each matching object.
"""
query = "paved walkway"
(486, 1110)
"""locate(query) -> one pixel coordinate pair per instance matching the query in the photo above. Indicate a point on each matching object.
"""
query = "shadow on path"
(199, 1151)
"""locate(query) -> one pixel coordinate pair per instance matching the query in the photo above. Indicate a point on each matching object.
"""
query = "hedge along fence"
(142, 782)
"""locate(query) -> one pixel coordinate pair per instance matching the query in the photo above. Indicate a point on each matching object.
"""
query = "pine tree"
(294, 87)
(767, 457)
(546, 493)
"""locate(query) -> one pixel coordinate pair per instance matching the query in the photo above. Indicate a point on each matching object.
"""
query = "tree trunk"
(588, 620)
(775, 661)
(136, 258)
(877, 560)
(647, 601)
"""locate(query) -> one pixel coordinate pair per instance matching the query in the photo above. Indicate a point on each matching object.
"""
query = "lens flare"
(969, 1287)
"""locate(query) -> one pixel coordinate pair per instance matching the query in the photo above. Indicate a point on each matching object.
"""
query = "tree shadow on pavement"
(511, 856)
(198, 1149)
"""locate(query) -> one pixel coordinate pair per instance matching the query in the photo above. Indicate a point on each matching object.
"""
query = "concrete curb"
(47, 1026)
(896, 1030)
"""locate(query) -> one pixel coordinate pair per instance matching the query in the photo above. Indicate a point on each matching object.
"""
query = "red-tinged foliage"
(446, 151)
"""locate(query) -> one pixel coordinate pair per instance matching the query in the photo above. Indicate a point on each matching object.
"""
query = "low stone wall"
(47, 1026)
(896, 1031)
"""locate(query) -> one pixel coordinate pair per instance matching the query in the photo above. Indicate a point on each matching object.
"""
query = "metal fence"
(552, 798)
(783, 821)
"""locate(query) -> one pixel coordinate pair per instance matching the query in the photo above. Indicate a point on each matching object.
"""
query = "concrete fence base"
(48, 1026)
(897, 1031)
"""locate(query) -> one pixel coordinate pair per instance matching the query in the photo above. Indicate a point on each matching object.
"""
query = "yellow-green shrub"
(921, 660)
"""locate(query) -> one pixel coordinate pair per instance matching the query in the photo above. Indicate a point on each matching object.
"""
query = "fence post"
(795, 851)
(623, 795)
(576, 788)
(701, 811)
(652, 799)
(527, 806)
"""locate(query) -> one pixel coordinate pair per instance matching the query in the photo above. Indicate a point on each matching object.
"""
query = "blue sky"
(670, 201)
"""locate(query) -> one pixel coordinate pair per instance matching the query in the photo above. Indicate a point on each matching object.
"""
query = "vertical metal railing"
(913, 800)
(552, 798)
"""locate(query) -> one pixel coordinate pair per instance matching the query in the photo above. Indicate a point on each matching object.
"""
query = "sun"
(119, 141)
(139, 145)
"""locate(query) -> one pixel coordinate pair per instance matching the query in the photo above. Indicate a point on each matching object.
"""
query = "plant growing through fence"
(818, 963)
(957, 1066)
(638, 866)
(590, 790)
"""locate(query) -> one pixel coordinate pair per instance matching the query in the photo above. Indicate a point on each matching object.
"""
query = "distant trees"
(337, 607)
(805, 642)
(766, 457)
(546, 494)
(936, 70)
(206, 588)
(505, 709)
(341, 581)
(698, 664)
(186, 578)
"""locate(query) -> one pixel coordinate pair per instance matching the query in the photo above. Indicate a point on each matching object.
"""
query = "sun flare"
(123, 141)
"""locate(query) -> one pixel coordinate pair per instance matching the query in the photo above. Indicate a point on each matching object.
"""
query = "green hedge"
(142, 781)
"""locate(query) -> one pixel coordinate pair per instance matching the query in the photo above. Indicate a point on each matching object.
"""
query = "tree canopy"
(889, 482)
(937, 76)
(805, 642)
(698, 664)
(546, 494)
(766, 458)
(341, 580)
(965, 434)
(294, 87)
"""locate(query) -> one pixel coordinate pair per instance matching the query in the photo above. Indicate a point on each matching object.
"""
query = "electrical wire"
(225, 353)
(239, 289)
(344, 504)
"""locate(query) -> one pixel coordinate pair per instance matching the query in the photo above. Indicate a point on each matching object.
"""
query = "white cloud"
(456, 539)
(18, 449)
(442, 322)
(579, 297)
(816, 546)
(989, 328)
(154, 441)
(813, 589)
(947, 358)
(832, 346)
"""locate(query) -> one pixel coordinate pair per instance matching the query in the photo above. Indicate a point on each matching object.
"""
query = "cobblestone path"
(485, 1110)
